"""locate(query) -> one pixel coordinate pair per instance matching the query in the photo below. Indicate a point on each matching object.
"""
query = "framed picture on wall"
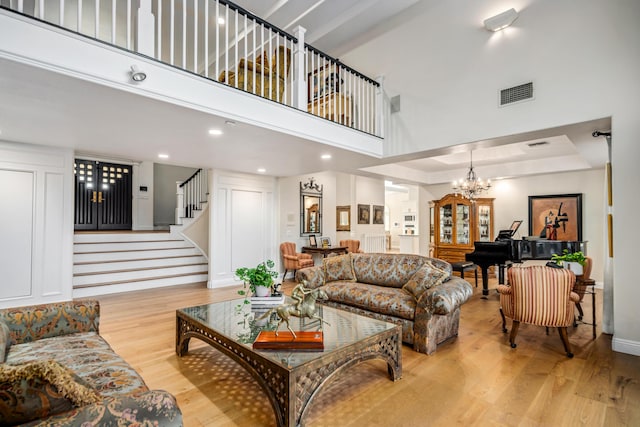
(364, 213)
(378, 214)
(556, 217)
(312, 241)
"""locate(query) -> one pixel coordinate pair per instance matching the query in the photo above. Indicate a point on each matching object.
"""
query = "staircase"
(105, 263)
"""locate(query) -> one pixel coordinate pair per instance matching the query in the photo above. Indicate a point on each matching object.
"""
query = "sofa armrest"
(313, 275)
(446, 297)
(153, 407)
(31, 323)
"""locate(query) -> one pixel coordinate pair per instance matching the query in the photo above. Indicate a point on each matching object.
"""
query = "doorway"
(103, 195)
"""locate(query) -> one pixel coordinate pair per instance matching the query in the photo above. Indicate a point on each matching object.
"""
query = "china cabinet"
(458, 222)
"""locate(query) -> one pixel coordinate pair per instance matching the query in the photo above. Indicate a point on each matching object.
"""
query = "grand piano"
(505, 250)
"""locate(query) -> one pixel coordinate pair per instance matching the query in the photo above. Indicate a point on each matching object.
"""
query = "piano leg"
(485, 281)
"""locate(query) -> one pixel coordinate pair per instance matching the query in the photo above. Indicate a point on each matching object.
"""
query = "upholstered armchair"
(539, 295)
(293, 260)
(261, 78)
(353, 246)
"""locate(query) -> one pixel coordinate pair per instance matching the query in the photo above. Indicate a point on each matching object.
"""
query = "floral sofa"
(56, 370)
(416, 292)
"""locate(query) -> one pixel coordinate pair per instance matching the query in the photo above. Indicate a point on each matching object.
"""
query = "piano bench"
(463, 266)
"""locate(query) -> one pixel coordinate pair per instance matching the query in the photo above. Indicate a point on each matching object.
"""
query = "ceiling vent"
(515, 94)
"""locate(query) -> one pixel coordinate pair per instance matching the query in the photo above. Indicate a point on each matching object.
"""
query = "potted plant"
(573, 261)
(259, 279)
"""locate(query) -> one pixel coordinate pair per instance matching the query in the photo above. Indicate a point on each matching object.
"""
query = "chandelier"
(472, 186)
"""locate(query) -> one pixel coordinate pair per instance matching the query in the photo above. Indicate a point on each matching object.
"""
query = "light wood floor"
(475, 379)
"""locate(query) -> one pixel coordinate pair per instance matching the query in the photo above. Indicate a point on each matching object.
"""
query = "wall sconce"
(137, 75)
(501, 21)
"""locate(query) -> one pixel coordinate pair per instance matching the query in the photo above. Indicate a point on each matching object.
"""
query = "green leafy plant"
(569, 257)
(261, 275)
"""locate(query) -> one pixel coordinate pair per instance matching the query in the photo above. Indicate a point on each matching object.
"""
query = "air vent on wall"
(514, 94)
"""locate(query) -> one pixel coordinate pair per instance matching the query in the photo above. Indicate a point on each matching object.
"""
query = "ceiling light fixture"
(163, 156)
(472, 186)
(501, 21)
(215, 132)
(325, 156)
(262, 170)
(137, 75)
(221, 21)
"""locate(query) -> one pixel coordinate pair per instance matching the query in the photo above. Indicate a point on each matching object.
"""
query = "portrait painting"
(364, 213)
(378, 214)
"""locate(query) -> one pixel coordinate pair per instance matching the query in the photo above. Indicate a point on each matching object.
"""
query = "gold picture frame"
(343, 218)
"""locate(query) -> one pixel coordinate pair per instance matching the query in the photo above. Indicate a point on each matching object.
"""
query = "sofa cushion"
(379, 299)
(392, 270)
(89, 356)
(338, 268)
(5, 340)
(40, 389)
(426, 277)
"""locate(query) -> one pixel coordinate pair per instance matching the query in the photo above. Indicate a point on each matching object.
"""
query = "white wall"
(164, 191)
(142, 209)
(36, 224)
(584, 62)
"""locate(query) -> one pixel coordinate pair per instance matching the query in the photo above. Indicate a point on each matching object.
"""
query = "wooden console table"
(334, 106)
(324, 251)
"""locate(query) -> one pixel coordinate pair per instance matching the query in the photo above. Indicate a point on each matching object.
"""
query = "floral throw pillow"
(338, 268)
(426, 277)
(39, 389)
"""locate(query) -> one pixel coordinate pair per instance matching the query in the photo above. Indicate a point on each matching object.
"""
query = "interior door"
(102, 195)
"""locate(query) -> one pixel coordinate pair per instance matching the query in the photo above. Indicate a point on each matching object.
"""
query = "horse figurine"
(305, 306)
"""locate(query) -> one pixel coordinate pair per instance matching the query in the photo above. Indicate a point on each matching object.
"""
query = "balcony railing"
(221, 41)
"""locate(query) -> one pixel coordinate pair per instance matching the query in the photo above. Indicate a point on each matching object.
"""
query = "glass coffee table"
(291, 378)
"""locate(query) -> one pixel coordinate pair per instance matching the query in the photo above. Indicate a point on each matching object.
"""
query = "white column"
(299, 89)
(379, 106)
(146, 29)
(179, 202)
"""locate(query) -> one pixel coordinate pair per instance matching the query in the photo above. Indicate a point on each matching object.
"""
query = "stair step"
(133, 255)
(129, 270)
(135, 285)
(92, 237)
(142, 274)
(111, 265)
(98, 247)
(168, 276)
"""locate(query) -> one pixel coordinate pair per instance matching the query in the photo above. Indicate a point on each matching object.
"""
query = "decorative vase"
(263, 291)
(576, 267)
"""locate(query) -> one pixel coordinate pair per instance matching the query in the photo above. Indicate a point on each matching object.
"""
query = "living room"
(581, 58)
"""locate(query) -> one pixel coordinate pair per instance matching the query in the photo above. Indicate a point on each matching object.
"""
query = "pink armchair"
(539, 295)
(353, 246)
(293, 260)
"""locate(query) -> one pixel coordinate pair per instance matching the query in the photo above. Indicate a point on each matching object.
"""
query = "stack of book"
(266, 302)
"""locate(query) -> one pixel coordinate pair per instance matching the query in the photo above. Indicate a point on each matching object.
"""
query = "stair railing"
(221, 41)
(191, 195)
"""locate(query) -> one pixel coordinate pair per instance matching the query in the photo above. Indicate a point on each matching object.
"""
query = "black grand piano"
(505, 250)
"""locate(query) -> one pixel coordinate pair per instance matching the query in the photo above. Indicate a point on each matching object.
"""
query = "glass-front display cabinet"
(458, 223)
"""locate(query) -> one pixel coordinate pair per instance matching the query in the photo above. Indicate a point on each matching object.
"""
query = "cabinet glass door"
(484, 223)
(462, 224)
(446, 224)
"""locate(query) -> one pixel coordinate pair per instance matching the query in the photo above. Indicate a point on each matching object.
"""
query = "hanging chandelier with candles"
(472, 186)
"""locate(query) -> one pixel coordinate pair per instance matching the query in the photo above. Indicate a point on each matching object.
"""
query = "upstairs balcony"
(239, 62)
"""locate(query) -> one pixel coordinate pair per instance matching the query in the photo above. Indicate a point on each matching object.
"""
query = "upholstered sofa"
(56, 370)
(416, 292)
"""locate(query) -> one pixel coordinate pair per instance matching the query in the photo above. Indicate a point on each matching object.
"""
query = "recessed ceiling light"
(221, 21)
(230, 123)
(262, 170)
(215, 132)
(163, 156)
(325, 156)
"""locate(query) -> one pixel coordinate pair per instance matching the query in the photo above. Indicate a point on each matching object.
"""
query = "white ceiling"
(51, 109)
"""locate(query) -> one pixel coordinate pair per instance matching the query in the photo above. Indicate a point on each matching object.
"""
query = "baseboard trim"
(625, 346)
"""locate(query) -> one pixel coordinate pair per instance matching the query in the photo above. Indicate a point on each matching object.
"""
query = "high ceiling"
(51, 109)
